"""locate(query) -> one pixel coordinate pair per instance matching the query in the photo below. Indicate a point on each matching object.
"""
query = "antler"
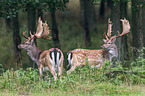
(39, 28)
(126, 29)
(42, 30)
(29, 38)
(126, 26)
(109, 28)
(46, 32)
(25, 35)
(109, 31)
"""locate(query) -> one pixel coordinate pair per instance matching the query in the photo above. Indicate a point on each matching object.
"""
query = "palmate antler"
(39, 28)
(109, 28)
(42, 31)
(126, 29)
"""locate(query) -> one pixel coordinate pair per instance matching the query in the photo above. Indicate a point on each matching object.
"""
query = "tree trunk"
(143, 22)
(88, 9)
(40, 13)
(31, 24)
(88, 18)
(136, 28)
(115, 12)
(17, 40)
(102, 9)
(55, 33)
(123, 8)
(125, 52)
(109, 3)
(31, 19)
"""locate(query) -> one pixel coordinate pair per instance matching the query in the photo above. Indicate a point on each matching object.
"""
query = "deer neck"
(113, 52)
(34, 53)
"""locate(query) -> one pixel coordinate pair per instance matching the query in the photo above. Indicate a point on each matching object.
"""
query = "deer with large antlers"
(96, 58)
(51, 59)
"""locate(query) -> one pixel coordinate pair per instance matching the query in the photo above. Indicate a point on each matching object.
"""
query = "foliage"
(139, 65)
(96, 0)
(52, 5)
(137, 5)
(9, 8)
(14, 79)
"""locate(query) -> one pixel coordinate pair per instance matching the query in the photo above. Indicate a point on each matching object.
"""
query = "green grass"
(73, 88)
(84, 90)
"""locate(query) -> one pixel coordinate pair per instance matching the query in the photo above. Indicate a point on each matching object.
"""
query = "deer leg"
(52, 71)
(72, 69)
(60, 72)
(45, 77)
(54, 75)
(101, 66)
(60, 69)
(40, 72)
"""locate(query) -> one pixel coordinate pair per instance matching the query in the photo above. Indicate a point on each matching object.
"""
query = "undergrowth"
(83, 80)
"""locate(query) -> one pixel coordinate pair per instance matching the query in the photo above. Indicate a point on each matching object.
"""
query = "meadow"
(112, 81)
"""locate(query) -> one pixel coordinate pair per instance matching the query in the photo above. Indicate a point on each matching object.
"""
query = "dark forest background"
(73, 24)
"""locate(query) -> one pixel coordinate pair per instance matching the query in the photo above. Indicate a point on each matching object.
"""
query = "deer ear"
(104, 40)
(113, 41)
(32, 42)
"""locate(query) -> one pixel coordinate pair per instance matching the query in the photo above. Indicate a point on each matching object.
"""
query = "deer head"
(27, 45)
(109, 42)
(42, 32)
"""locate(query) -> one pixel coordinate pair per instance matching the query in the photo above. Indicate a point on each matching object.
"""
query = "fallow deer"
(51, 59)
(96, 58)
